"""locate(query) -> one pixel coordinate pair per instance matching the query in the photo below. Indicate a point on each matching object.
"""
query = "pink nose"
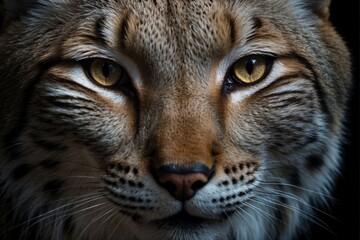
(182, 182)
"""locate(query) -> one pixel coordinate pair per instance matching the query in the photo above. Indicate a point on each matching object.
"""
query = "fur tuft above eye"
(105, 72)
(251, 69)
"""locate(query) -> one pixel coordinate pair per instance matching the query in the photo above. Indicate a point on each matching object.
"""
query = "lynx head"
(169, 119)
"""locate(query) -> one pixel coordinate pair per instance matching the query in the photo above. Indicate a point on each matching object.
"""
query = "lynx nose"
(183, 182)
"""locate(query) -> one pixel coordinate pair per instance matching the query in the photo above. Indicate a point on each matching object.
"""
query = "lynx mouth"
(184, 221)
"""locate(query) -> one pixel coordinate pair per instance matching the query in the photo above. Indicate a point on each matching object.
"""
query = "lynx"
(154, 119)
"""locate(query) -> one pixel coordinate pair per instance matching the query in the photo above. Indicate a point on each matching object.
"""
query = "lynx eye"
(105, 72)
(251, 69)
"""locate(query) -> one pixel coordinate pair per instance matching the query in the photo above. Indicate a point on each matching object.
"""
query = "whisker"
(264, 214)
(310, 217)
(117, 226)
(253, 218)
(104, 221)
(297, 187)
(94, 220)
(298, 199)
(53, 212)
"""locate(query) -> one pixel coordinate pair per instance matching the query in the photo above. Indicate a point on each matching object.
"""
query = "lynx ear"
(12, 9)
(319, 7)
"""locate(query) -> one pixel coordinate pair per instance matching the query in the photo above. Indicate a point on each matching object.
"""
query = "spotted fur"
(79, 161)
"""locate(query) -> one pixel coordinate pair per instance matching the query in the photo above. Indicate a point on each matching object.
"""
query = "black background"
(345, 17)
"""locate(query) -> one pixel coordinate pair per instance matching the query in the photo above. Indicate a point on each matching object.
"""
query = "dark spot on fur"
(12, 145)
(99, 26)
(280, 214)
(132, 183)
(53, 187)
(124, 31)
(122, 180)
(234, 169)
(121, 196)
(232, 28)
(135, 171)
(111, 165)
(314, 162)
(311, 140)
(136, 217)
(47, 145)
(140, 185)
(251, 181)
(127, 169)
(234, 181)
(242, 178)
(225, 183)
(257, 23)
(227, 170)
(126, 213)
(68, 226)
(49, 163)
(294, 177)
(119, 168)
(21, 171)
(241, 166)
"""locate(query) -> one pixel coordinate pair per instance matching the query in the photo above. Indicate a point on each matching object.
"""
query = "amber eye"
(251, 69)
(105, 72)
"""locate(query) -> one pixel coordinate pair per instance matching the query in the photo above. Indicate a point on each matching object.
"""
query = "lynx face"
(168, 119)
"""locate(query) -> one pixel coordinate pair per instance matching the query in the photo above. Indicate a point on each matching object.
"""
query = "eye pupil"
(107, 69)
(250, 66)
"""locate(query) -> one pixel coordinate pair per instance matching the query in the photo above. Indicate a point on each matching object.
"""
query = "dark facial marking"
(124, 31)
(232, 29)
(257, 23)
(280, 214)
(53, 187)
(49, 146)
(99, 26)
(49, 163)
(69, 225)
(314, 162)
(21, 171)
(294, 176)
(12, 148)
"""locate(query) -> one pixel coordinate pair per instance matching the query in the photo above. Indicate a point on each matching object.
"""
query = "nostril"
(198, 185)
